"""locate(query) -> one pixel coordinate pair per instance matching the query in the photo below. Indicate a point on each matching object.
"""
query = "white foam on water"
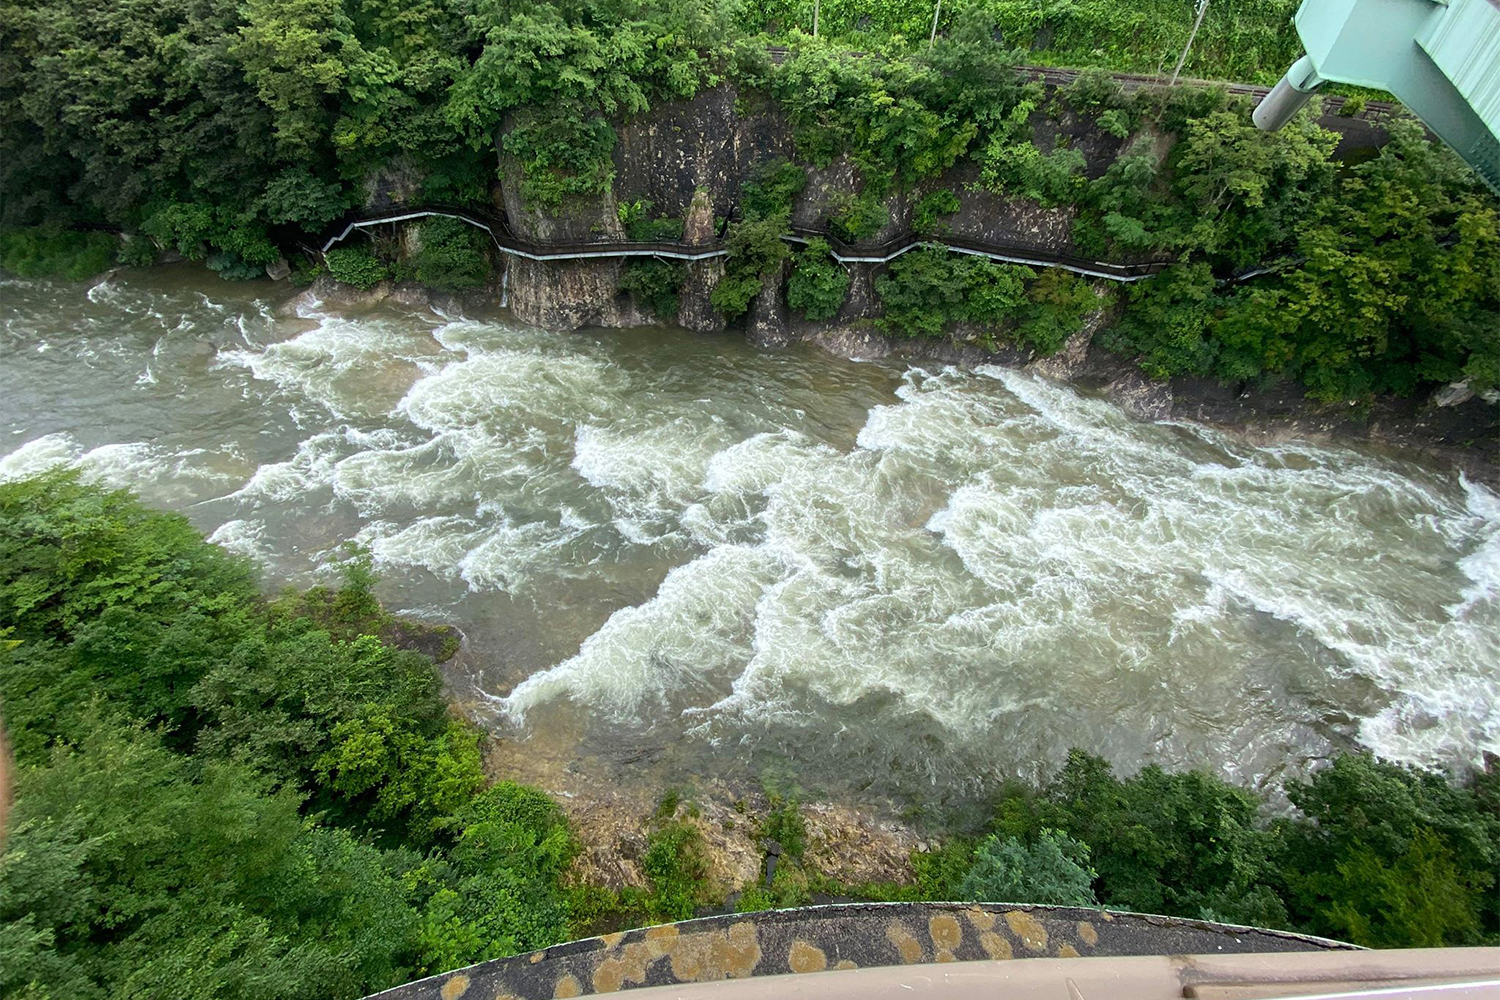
(349, 366)
(39, 455)
(161, 475)
(1089, 552)
(645, 654)
(996, 561)
(246, 537)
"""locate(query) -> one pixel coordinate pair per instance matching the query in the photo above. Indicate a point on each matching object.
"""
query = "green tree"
(818, 284)
(1054, 870)
(1390, 856)
(756, 250)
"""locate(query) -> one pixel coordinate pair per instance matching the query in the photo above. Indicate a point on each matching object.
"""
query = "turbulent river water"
(674, 554)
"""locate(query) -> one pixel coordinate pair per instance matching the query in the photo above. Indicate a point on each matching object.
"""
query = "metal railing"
(505, 240)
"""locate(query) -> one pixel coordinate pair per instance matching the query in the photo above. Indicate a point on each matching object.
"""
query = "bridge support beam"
(1288, 97)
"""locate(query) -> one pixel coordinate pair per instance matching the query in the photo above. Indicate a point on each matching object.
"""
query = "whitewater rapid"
(910, 578)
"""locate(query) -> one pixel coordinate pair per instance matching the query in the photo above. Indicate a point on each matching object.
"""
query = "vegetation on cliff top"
(223, 130)
(225, 796)
(1254, 42)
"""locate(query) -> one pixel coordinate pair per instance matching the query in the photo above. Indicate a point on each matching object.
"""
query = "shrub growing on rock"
(356, 266)
(41, 252)
(818, 283)
(1054, 869)
(654, 283)
(756, 250)
(454, 256)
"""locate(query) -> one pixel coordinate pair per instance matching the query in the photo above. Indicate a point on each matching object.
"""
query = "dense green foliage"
(1253, 42)
(818, 283)
(1052, 869)
(640, 223)
(356, 265)
(1380, 855)
(756, 252)
(223, 130)
(929, 289)
(225, 797)
(928, 215)
(654, 283)
(454, 255)
(675, 866)
(40, 252)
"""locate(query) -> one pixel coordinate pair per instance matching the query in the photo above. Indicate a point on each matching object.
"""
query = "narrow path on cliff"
(1012, 252)
(1008, 251)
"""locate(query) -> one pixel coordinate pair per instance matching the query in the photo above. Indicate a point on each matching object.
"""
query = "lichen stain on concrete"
(567, 986)
(737, 953)
(660, 940)
(1066, 951)
(1087, 934)
(995, 946)
(805, 957)
(612, 941)
(846, 964)
(983, 920)
(906, 943)
(455, 987)
(628, 966)
(732, 953)
(946, 935)
(1026, 927)
(536, 956)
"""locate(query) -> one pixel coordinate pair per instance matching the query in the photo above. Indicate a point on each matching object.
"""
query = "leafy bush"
(771, 189)
(654, 283)
(252, 773)
(1390, 857)
(818, 283)
(859, 217)
(499, 890)
(674, 864)
(1054, 870)
(639, 224)
(1056, 303)
(1166, 322)
(940, 873)
(233, 268)
(756, 251)
(1115, 122)
(357, 266)
(928, 289)
(40, 252)
(454, 256)
(137, 250)
(928, 215)
(1020, 168)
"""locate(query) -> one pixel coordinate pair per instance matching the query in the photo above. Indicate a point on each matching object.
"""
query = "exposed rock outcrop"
(696, 311)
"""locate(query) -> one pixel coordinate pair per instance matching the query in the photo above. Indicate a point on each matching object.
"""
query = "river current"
(677, 555)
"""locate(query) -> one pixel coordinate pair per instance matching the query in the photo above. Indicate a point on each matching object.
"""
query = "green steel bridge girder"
(1440, 58)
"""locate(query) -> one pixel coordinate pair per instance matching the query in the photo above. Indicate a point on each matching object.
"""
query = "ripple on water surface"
(914, 580)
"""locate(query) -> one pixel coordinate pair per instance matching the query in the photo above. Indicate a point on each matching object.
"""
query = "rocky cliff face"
(690, 158)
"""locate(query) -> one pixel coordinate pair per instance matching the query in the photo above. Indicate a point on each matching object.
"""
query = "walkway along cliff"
(690, 161)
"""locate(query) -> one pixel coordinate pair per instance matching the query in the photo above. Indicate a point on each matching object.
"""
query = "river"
(675, 555)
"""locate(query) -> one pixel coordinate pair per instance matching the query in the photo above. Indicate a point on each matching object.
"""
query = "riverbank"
(1454, 427)
(389, 855)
